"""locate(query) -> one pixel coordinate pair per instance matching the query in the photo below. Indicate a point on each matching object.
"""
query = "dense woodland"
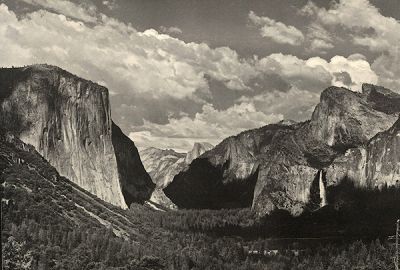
(50, 223)
(32, 245)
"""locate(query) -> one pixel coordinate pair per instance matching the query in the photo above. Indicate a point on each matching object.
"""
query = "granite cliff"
(32, 189)
(375, 164)
(198, 149)
(288, 165)
(163, 165)
(68, 121)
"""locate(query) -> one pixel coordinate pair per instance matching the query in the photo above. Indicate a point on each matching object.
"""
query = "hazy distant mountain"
(163, 165)
(68, 120)
(278, 166)
(197, 150)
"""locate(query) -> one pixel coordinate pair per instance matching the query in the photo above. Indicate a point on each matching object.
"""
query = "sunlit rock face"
(344, 118)
(198, 149)
(163, 165)
(286, 158)
(68, 120)
(374, 165)
(288, 170)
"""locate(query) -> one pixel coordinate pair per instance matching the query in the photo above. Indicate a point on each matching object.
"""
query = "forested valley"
(49, 222)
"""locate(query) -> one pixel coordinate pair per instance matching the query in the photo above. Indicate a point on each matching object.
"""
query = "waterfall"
(322, 193)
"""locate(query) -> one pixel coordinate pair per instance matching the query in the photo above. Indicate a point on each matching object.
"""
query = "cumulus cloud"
(345, 70)
(145, 61)
(170, 93)
(315, 73)
(295, 104)
(146, 64)
(365, 26)
(171, 30)
(81, 12)
(359, 16)
(277, 31)
(303, 82)
(320, 44)
(296, 71)
(210, 125)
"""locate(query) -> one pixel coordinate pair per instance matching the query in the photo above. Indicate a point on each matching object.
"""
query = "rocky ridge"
(35, 188)
(278, 166)
(68, 121)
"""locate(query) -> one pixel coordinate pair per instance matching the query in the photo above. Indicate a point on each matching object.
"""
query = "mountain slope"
(163, 165)
(278, 166)
(29, 182)
(198, 149)
(49, 222)
(68, 120)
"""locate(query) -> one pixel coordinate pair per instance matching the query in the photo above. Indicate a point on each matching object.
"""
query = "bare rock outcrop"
(375, 164)
(68, 120)
(285, 165)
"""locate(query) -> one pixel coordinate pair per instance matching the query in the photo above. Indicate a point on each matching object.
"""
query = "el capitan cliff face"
(68, 120)
(278, 166)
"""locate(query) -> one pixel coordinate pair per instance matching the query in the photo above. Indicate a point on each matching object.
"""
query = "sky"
(180, 72)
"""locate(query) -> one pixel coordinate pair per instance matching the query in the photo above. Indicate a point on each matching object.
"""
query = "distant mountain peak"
(164, 164)
(198, 149)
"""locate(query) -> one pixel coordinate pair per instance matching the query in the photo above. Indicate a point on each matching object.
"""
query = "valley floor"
(50, 223)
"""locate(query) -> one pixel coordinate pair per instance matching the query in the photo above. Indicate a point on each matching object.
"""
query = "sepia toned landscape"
(200, 134)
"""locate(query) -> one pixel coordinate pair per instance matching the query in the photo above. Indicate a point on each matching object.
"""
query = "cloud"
(171, 30)
(297, 72)
(298, 80)
(146, 62)
(210, 125)
(345, 70)
(168, 92)
(320, 44)
(295, 104)
(131, 63)
(363, 25)
(277, 31)
(84, 13)
(367, 25)
(110, 4)
(388, 68)
(319, 38)
(315, 73)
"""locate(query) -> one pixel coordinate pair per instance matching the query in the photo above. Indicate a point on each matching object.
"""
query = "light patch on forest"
(118, 232)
